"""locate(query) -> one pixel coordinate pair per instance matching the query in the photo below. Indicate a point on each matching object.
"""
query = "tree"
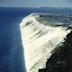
(61, 59)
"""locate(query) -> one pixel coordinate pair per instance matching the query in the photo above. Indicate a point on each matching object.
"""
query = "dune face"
(40, 36)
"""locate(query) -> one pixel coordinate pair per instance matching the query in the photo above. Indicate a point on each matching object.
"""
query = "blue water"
(11, 50)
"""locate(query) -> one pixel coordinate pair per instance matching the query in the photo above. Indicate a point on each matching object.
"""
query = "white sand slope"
(38, 41)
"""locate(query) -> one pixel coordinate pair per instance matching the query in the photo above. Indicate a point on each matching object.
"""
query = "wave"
(40, 36)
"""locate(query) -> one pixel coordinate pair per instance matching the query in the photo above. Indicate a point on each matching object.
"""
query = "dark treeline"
(61, 59)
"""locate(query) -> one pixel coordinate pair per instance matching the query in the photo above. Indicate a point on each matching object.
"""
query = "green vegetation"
(61, 59)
